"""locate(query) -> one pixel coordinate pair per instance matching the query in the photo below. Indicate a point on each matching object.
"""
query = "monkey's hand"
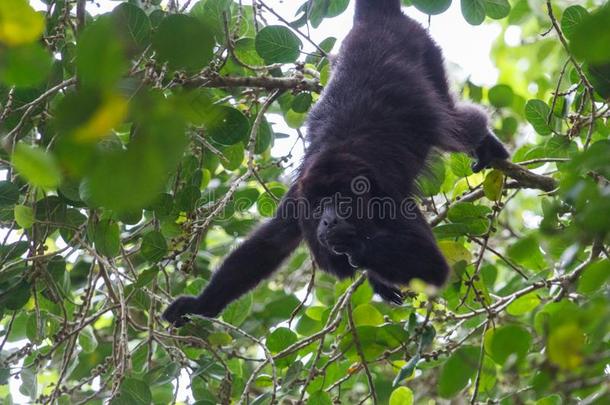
(489, 150)
(186, 305)
(344, 240)
(387, 292)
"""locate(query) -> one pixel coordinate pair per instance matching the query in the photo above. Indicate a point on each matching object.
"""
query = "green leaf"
(154, 246)
(238, 311)
(550, 400)
(507, 340)
(146, 277)
(565, 346)
(590, 38)
(37, 166)
(335, 8)
(454, 252)
(467, 211)
(100, 54)
(280, 339)
(430, 184)
(599, 75)
(50, 209)
(188, 198)
(29, 382)
(302, 102)
(526, 251)
(497, 9)
(183, 42)
(87, 339)
(432, 7)
(406, 371)
(366, 314)
(25, 66)
(493, 185)
(277, 44)
(235, 156)
(523, 305)
(460, 165)
(9, 194)
(571, 18)
(17, 296)
(139, 172)
(246, 52)
(24, 216)
(537, 113)
(136, 391)
(501, 95)
(163, 374)
(212, 13)
(458, 370)
(473, 11)
(133, 27)
(319, 398)
(107, 238)
(264, 138)
(227, 126)
(401, 396)
(316, 11)
(594, 277)
(266, 204)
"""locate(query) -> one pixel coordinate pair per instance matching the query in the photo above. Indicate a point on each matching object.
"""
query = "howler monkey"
(386, 106)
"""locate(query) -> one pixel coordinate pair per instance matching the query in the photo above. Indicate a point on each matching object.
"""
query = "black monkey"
(386, 106)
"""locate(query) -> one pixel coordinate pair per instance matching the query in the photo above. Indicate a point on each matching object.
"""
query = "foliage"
(136, 153)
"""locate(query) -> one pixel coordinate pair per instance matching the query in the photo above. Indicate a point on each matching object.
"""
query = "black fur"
(386, 106)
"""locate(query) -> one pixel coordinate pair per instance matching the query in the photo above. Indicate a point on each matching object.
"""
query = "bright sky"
(466, 46)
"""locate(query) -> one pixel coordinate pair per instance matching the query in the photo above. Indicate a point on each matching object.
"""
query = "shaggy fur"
(386, 106)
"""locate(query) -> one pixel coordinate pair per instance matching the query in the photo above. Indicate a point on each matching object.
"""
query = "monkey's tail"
(371, 8)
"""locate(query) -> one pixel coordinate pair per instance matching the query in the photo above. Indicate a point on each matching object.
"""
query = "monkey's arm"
(244, 268)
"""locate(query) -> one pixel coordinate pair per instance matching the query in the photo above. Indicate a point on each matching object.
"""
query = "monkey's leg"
(244, 268)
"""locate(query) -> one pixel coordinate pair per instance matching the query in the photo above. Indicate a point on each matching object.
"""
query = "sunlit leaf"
(572, 16)
(19, 23)
(37, 166)
(537, 113)
(565, 344)
(24, 216)
(277, 44)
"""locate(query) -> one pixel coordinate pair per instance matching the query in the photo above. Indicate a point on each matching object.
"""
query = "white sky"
(463, 45)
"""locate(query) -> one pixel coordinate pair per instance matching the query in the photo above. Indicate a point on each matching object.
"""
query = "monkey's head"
(341, 192)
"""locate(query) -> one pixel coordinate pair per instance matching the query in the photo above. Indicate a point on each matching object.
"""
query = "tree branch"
(267, 83)
(526, 178)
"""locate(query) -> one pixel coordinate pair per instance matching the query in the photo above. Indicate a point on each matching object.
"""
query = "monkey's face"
(338, 194)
